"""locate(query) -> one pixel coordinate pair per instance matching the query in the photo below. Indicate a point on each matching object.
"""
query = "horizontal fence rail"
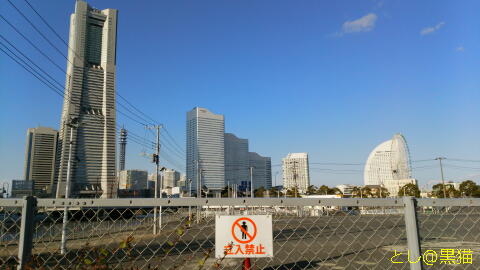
(343, 233)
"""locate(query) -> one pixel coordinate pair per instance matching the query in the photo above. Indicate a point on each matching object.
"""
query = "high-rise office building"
(205, 149)
(296, 172)
(89, 101)
(236, 159)
(40, 155)
(261, 170)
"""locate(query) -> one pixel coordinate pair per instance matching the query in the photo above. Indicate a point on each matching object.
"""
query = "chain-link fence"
(307, 233)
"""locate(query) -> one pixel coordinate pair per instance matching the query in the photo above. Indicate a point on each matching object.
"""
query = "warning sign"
(243, 236)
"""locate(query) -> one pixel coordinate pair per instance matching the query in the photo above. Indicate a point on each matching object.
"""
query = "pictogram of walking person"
(245, 229)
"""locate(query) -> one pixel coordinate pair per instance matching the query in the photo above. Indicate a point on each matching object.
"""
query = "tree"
(274, 192)
(227, 191)
(366, 192)
(381, 193)
(323, 190)
(469, 188)
(311, 190)
(451, 192)
(335, 191)
(409, 190)
(259, 192)
(292, 191)
(356, 192)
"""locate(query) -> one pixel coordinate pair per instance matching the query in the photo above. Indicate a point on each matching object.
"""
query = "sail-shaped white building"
(389, 165)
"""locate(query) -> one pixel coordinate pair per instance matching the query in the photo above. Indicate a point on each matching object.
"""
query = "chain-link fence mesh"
(183, 236)
(10, 220)
(450, 236)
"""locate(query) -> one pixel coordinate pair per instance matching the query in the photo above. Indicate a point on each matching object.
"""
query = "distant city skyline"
(290, 77)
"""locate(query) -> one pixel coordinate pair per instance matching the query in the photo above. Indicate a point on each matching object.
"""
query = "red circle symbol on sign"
(245, 234)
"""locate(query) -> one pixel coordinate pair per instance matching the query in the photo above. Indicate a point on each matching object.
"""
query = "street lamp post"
(73, 123)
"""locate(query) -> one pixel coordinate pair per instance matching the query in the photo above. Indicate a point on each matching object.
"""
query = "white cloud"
(364, 24)
(431, 29)
(460, 49)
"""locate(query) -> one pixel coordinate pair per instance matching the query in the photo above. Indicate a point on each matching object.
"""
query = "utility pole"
(295, 176)
(198, 182)
(189, 195)
(73, 123)
(276, 177)
(441, 172)
(156, 160)
(251, 182)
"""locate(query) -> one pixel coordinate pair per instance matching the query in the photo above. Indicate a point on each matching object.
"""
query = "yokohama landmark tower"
(90, 104)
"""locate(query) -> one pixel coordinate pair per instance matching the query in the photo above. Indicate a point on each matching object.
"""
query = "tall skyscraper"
(90, 101)
(205, 149)
(296, 171)
(40, 155)
(262, 170)
(236, 159)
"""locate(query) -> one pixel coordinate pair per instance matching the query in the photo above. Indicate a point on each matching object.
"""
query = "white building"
(296, 171)
(90, 101)
(170, 178)
(387, 162)
(346, 189)
(40, 153)
(133, 179)
(394, 186)
(205, 149)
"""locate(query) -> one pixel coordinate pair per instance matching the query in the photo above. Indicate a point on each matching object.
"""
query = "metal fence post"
(26, 231)
(413, 239)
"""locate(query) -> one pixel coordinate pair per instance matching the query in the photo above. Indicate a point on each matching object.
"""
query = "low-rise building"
(346, 189)
(22, 188)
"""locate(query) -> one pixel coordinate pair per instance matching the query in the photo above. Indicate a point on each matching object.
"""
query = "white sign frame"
(232, 241)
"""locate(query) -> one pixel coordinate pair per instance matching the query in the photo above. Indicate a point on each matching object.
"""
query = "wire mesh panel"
(335, 238)
(10, 219)
(304, 237)
(450, 236)
(180, 234)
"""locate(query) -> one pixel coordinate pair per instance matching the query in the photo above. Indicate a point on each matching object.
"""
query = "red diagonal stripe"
(243, 230)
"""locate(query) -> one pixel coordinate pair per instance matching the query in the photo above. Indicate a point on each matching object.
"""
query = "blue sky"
(331, 78)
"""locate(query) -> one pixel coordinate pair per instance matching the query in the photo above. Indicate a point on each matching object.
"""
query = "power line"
(29, 59)
(460, 167)
(39, 76)
(61, 92)
(337, 164)
(173, 139)
(422, 160)
(463, 160)
(151, 121)
(55, 32)
(175, 146)
(38, 31)
(50, 27)
(31, 43)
